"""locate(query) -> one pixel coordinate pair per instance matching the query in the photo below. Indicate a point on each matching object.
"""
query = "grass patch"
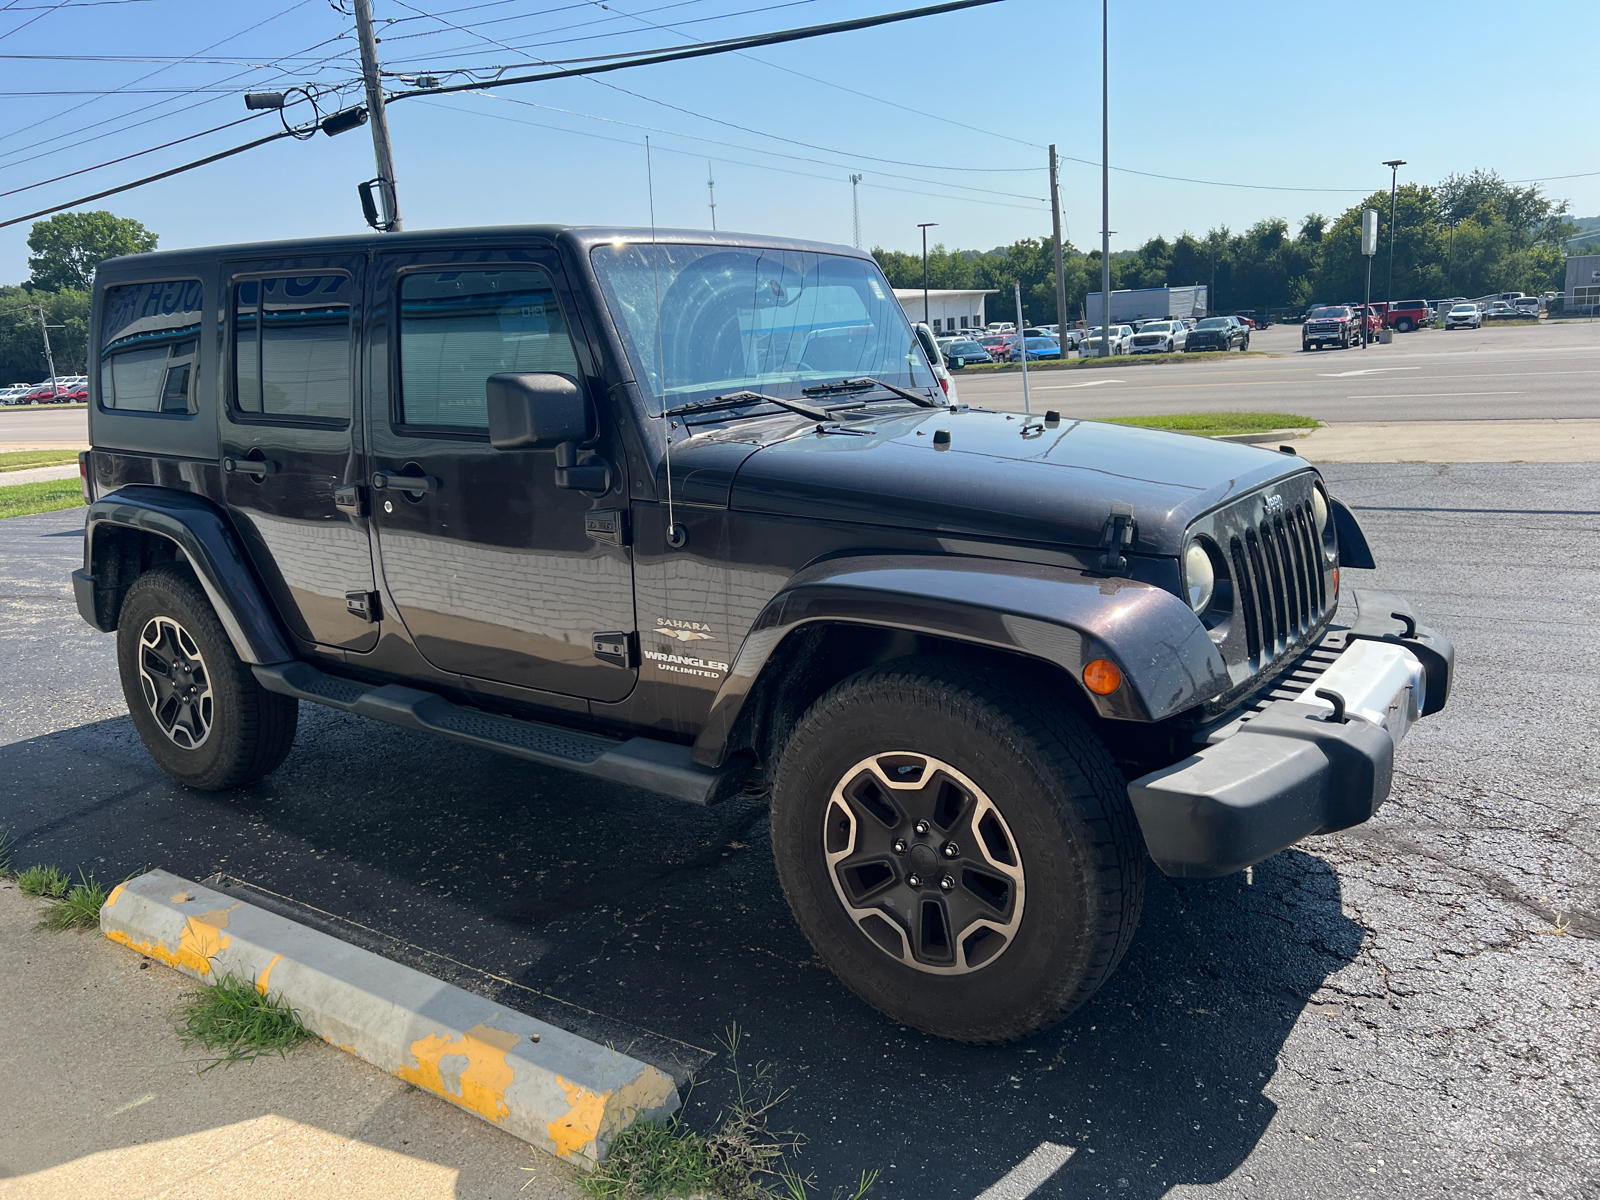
(1219, 423)
(78, 909)
(47, 882)
(7, 844)
(22, 460)
(11, 408)
(25, 499)
(741, 1159)
(235, 1022)
(1116, 360)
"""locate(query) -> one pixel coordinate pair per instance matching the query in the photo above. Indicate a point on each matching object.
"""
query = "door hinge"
(351, 498)
(364, 605)
(618, 649)
(608, 525)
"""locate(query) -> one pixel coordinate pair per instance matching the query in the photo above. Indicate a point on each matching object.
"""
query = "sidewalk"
(100, 1099)
(39, 474)
(1453, 441)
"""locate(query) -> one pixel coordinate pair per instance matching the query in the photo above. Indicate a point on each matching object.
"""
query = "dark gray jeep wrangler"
(690, 512)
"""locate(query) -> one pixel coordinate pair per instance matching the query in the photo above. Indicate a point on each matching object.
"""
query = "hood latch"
(1116, 536)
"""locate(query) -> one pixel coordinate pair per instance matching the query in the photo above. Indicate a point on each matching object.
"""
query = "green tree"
(69, 246)
(22, 358)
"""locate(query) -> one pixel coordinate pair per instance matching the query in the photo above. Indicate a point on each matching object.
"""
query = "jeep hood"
(1002, 476)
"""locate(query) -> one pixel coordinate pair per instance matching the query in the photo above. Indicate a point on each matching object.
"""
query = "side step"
(639, 762)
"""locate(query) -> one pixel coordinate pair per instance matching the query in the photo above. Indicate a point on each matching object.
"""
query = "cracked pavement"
(1408, 1007)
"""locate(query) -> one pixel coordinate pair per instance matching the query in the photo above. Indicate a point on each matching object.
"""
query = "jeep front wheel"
(199, 711)
(965, 860)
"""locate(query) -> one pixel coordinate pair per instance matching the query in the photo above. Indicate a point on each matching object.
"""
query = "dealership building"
(950, 310)
(1583, 282)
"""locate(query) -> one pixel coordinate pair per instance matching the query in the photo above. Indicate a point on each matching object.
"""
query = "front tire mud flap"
(1288, 773)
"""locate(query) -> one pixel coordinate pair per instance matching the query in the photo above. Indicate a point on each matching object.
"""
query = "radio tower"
(855, 207)
(711, 188)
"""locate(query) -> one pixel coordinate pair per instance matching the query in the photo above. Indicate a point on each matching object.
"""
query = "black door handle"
(415, 485)
(259, 467)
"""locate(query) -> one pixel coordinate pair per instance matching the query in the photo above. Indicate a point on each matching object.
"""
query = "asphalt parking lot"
(1409, 1007)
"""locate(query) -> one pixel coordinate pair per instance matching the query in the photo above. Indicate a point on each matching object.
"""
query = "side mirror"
(536, 410)
(959, 363)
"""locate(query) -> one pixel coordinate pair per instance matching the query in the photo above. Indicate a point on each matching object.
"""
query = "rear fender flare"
(204, 540)
(1061, 616)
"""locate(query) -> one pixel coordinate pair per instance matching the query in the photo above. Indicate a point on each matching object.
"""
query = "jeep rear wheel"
(199, 711)
(966, 861)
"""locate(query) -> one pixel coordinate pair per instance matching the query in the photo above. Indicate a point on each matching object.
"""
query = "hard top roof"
(582, 237)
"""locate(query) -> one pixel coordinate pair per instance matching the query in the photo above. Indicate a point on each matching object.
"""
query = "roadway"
(48, 427)
(1496, 373)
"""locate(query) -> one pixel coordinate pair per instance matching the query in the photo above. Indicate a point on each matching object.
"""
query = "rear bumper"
(1287, 769)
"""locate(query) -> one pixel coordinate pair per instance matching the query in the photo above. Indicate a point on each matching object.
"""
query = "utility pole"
(1061, 271)
(1105, 179)
(1394, 165)
(387, 194)
(925, 226)
(855, 207)
(711, 187)
(48, 357)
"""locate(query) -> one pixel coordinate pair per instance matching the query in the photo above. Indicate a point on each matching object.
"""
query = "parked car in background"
(1330, 325)
(1159, 337)
(15, 393)
(1465, 315)
(1528, 306)
(930, 347)
(1403, 316)
(1503, 310)
(1218, 333)
(994, 344)
(1001, 326)
(47, 393)
(1121, 338)
(1042, 346)
(962, 352)
(78, 395)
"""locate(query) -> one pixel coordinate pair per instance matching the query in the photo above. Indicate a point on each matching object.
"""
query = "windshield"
(1328, 312)
(705, 321)
(1213, 323)
(1465, 308)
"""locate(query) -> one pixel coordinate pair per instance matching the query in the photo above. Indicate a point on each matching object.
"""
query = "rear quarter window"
(149, 338)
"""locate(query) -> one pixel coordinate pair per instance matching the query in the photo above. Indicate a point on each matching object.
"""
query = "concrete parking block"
(553, 1089)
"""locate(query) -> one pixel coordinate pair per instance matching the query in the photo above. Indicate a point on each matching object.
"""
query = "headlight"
(1199, 577)
(1321, 513)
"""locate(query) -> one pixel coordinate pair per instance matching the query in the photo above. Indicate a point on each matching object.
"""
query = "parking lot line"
(1029, 1175)
(1424, 395)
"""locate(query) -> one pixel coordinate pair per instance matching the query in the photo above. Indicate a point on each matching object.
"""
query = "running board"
(639, 762)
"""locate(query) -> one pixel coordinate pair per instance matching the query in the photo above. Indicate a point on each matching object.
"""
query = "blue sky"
(947, 119)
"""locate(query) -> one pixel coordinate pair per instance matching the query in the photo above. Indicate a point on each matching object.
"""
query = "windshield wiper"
(740, 399)
(865, 384)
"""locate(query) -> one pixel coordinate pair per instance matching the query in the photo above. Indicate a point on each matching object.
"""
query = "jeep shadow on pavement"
(691, 512)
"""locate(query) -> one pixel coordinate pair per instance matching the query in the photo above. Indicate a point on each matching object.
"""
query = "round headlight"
(1319, 509)
(1199, 577)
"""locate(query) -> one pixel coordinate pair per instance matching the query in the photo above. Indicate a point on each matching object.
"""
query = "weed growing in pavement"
(743, 1158)
(49, 882)
(235, 1021)
(6, 844)
(78, 909)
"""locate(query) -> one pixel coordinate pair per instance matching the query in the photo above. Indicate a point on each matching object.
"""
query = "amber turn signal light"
(1102, 677)
(1336, 581)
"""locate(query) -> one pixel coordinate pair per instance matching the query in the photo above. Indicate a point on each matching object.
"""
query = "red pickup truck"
(1404, 315)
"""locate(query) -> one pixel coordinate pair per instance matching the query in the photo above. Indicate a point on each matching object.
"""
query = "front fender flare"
(197, 528)
(1062, 616)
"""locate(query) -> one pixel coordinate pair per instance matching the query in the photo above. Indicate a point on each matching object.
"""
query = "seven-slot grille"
(1279, 586)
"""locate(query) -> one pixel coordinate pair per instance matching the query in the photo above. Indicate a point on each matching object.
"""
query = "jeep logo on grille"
(1274, 505)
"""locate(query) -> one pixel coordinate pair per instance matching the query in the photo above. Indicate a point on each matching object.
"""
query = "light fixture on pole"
(925, 226)
(1369, 247)
(1394, 165)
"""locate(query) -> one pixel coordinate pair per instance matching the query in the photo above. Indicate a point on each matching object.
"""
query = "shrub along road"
(1408, 1006)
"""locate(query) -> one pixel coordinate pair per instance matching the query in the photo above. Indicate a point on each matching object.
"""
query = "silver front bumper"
(1380, 683)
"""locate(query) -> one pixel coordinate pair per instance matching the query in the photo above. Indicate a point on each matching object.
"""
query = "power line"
(136, 154)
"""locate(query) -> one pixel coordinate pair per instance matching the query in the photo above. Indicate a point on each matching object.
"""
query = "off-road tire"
(1056, 787)
(251, 729)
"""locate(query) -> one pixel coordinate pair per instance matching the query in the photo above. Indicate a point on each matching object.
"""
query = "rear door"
(497, 571)
(287, 429)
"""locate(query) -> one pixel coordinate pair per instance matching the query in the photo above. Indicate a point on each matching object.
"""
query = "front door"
(485, 558)
(287, 428)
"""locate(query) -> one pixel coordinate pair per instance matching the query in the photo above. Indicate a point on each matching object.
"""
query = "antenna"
(711, 187)
(855, 207)
(676, 537)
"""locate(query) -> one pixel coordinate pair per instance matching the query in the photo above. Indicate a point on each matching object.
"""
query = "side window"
(149, 336)
(291, 348)
(457, 328)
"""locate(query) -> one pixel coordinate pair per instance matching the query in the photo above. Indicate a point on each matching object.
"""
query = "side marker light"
(1102, 677)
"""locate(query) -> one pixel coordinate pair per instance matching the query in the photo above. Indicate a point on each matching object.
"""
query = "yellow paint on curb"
(581, 1125)
(201, 940)
(484, 1079)
(115, 893)
(261, 979)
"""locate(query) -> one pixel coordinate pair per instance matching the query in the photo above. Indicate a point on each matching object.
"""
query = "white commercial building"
(1583, 282)
(949, 309)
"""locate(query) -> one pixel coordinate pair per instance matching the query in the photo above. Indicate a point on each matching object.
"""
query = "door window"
(457, 328)
(148, 345)
(291, 345)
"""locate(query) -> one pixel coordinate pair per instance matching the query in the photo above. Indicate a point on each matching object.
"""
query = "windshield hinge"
(1117, 535)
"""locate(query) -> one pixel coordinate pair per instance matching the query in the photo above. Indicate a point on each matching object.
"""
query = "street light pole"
(388, 196)
(1105, 179)
(925, 226)
(1394, 165)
